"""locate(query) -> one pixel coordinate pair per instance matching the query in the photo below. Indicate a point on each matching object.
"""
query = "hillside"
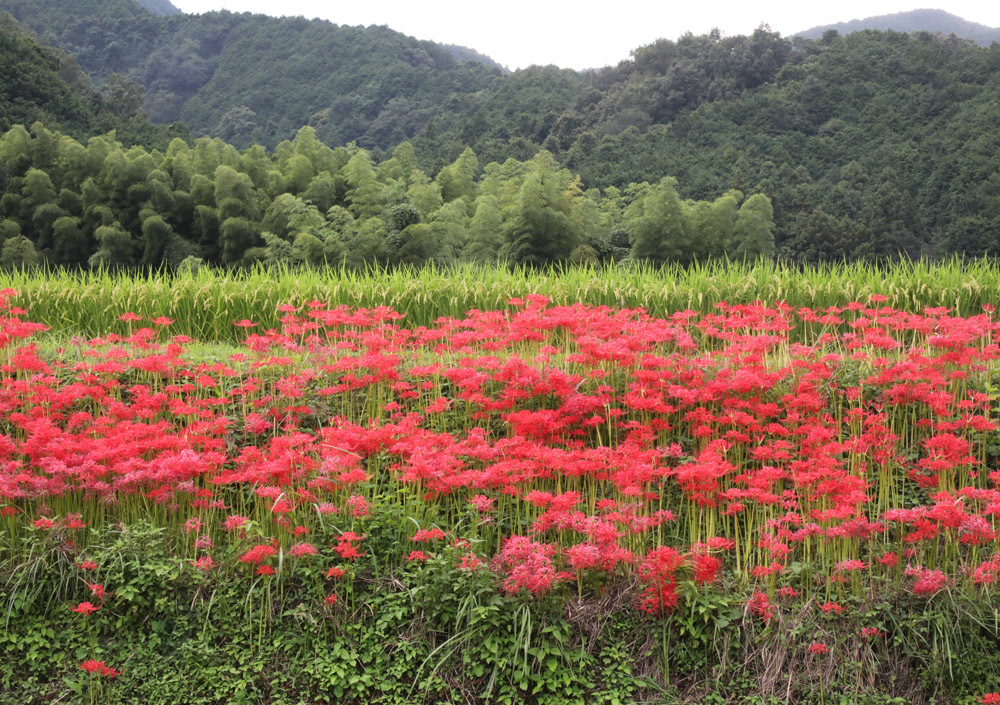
(868, 144)
(372, 85)
(41, 83)
(915, 21)
(160, 7)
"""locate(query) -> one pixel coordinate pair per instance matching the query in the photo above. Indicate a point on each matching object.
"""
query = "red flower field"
(785, 455)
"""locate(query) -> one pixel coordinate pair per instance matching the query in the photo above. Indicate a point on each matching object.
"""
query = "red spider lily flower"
(335, 572)
(205, 563)
(162, 321)
(849, 565)
(818, 649)
(470, 561)
(990, 699)
(331, 599)
(92, 666)
(437, 406)
(9, 511)
(43, 523)
(85, 608)
(928, 582)
(423, 535)
(347, 550)
(482, 503)
(760, 605)
(417, 556)
(265, 570)
(583, 556)
(357, 506)
(259, 553)
(889, 559)
(705, 569)
(74, 522)
(244, 324)
(96, 589)
(832, 608)
(302, 549)
(87, 565)
(129, 317)
(871, 632)
(234, 522)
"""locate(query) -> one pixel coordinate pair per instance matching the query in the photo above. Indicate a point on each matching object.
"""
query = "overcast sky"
(581, 35)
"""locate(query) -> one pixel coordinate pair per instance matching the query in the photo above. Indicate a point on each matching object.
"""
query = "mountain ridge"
(921, 20)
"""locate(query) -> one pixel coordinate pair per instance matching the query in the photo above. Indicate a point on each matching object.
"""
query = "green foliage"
(18, 253)
(877, 145)
(41, 83)
(204, 306)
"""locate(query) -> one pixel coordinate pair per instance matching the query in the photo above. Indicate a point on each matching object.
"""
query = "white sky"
(585, 34)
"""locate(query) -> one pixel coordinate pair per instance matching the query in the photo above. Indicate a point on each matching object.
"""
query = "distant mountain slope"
(160, 7)
(43, 84)
(915, 21)
(253, 78)
(462, 53)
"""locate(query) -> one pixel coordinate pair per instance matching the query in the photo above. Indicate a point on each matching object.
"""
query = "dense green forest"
(41, 83)
(869, 145)
(307, 204)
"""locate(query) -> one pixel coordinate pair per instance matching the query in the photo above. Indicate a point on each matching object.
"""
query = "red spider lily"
(470, 561)
(818, 649)
(258, 554)
(423, 535)
(357, 505)
(347, 550)
(205, 563)
(232, 523)
(928, 582)
(302, 549)
(528, 565)
(760, 605)
(98, 667)
(85, 608)
(583, 422)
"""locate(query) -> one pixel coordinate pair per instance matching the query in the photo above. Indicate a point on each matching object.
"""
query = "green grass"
(205, 305)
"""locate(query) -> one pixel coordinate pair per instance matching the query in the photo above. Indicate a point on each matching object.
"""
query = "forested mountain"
(251, 78)
(160, 7)
(914, 21)
(867, 145)
(40, 83)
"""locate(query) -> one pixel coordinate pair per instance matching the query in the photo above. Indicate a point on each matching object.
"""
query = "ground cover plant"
(537, 502)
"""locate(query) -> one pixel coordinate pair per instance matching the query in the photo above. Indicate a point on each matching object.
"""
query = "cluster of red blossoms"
(98, 667)
(572, 443)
